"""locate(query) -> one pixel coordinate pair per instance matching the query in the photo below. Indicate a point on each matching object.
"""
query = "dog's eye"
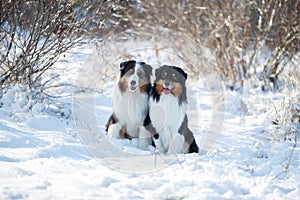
(174, 77)
(128, 73)
(141, 75)
(164, 75)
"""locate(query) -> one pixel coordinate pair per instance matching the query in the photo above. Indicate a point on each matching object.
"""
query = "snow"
(43, 156)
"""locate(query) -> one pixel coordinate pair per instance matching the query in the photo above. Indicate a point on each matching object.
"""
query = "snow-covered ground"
(46, 157)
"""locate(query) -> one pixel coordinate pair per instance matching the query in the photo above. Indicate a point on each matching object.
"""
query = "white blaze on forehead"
(134, 76)
(137, 64)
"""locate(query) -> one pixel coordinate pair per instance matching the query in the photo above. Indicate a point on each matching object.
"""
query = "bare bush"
(278, 26)
(33, 34)
(287, 109)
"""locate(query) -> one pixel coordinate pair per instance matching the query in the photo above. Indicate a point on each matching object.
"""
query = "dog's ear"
(158, 72)
(123, 64)
(181, 72)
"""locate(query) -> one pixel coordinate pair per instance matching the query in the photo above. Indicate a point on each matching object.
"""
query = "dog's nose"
(133, 82)
(167, 83)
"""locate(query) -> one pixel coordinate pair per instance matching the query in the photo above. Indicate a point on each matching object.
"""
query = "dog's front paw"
(158, 145)
(144, 138)
(176, 145)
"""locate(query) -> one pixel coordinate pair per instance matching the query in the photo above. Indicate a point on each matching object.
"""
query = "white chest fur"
(130, 109)
(166, 117)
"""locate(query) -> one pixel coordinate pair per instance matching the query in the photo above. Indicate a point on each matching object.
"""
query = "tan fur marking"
(122, 133)
(124, 85)
(139, 72)
(159, 86)
(143, 84)
(131, 71)
(177, 91)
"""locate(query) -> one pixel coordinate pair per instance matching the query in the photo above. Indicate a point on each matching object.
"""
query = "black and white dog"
(168, 112)
(131, 103)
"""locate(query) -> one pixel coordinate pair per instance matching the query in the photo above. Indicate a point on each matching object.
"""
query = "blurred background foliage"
(250, 39)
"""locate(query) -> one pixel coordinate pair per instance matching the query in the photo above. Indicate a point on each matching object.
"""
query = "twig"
(286, 167)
